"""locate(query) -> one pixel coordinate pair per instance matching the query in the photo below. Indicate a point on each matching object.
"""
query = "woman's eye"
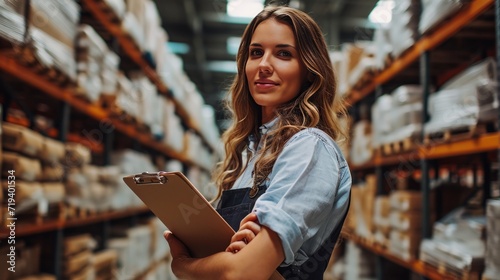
(284, 53)
(255, 52)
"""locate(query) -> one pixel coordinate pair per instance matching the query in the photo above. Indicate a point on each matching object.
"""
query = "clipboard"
(184, 211)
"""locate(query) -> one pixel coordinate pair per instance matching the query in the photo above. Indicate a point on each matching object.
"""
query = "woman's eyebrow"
(277, 46)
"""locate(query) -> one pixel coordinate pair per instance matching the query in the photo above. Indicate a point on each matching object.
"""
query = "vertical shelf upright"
(424, 163)
(497, 41)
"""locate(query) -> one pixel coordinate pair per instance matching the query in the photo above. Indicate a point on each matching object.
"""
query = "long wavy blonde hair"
(316, 106)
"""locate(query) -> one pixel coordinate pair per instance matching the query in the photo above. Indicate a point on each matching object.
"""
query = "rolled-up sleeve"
(302, 190)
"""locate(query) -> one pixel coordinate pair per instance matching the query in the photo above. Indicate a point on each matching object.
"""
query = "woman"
(284, 185)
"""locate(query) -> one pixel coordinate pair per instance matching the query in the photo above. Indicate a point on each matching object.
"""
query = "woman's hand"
(178, 250)
(249, 228)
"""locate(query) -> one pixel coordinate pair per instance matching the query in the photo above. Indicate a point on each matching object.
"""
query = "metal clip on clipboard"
(150, 178)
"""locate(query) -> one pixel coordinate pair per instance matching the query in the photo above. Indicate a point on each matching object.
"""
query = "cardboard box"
(21, 139)
(25, 168)
(52, 151)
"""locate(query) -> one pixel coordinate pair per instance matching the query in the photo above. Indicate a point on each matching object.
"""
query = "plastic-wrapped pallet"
(381, 220)
(457, 244)
(465, 100)
(152, 25)
(174, 132)
(52, 32)
(383, 126)
(404, 25)
(171, 73)
(61, 56)
(398, 115)
(58, 18)
(435, 11)
(130, 161)
(405, 219)
(147, 94)
(91, 52)
(361, 147)
(157, 108)
(118, 7)
(492, 240)
(383, 46)
(127, 98)
(11, 26)
(132, 26)
(140, 241)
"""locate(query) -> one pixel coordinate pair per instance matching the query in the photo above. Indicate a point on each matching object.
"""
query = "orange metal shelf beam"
(426, 43)
(416, 266)
(133, 52)
(483, 143)
(25, 229)
(14, 68)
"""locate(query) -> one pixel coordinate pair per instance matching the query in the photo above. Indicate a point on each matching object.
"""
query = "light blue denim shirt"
(307, 194)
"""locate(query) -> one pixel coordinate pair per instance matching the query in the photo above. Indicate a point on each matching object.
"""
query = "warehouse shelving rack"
(54, 229)
(425, 155)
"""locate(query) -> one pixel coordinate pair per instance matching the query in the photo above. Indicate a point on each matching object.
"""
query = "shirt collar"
(263, 130)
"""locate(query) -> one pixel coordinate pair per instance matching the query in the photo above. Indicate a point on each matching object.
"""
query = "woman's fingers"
(235, 247)
(252, 217)
(177, 248)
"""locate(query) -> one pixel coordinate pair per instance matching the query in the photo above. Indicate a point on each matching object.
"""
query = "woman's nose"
(265, 64)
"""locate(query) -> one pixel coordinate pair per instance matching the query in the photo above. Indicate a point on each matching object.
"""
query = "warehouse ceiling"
(203, 28)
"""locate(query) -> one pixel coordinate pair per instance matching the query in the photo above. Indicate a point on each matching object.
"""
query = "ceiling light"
(244, 8)
(178, 48)
(222, 66)
(382, 13)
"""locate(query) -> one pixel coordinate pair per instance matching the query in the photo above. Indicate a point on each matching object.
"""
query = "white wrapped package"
(28, 194)
(383, 125)
(53, 192)
(383, 50)
(407, 94)
(118, 7)
(57, 18)
(131, 25)
(476, 74)
(404, 25)
(453, 109)
(361, 148)
(11, 26)
(435, 11)
(406, 122)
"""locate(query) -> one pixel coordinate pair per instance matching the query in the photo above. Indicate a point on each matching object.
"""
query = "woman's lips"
(265, 85)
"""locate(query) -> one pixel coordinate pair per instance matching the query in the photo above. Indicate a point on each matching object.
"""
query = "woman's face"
(274, 71)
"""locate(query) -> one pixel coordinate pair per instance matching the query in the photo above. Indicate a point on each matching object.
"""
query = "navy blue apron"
(236, 204)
